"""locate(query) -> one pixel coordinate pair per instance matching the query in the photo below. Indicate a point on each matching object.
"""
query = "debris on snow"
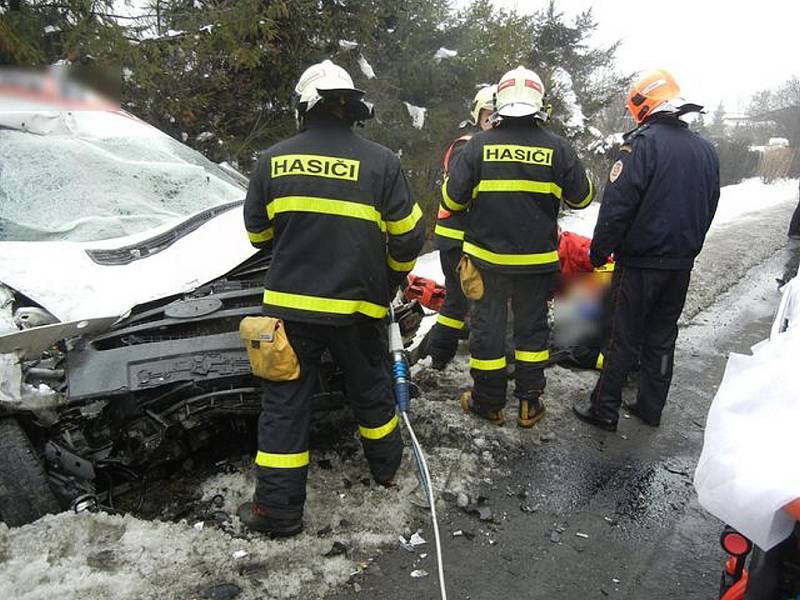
(443, 53)
(347, 45)
(366, 68)
(417, 114)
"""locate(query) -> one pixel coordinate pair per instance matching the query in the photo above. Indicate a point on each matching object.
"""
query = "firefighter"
(658, 204)
(443, 338)
(336, 211)
(512, 179)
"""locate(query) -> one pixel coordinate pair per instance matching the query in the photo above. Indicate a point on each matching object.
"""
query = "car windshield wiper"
(128, 254)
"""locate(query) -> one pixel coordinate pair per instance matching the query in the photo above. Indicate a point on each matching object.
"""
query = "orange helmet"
(652, 90)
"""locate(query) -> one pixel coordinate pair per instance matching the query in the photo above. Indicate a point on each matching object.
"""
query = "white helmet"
(320, 78)
(484, 100)
(519, 93)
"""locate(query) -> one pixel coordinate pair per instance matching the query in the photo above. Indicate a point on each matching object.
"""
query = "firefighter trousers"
(450, 324)
(529, 294)
(645, 307)
(361, 351)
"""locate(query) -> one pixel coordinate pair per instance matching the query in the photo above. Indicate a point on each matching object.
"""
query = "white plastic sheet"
(748, 468)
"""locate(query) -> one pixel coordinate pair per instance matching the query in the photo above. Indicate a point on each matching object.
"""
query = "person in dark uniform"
(659, 202)
(442, 342)
(513, 178)
(337, 213)
(794, 226)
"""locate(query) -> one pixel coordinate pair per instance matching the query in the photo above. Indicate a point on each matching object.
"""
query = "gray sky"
(716, 49)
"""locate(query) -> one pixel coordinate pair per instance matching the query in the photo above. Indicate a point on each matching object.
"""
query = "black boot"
(256, 517)
(633, 408)
(584, 410)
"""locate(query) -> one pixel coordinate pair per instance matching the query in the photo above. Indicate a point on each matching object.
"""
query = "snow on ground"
(101, 556)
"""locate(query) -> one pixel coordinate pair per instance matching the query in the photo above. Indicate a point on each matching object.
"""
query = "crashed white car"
(124, 273)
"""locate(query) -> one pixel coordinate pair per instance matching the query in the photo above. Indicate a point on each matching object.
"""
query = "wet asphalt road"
(629, 494)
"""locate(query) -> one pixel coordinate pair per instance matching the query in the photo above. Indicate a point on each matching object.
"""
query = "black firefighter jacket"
(450, 225)
(337, 212)
(660, 198)
(513, 178)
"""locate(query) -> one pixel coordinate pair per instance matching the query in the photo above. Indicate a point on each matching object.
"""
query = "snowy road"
(630, 492)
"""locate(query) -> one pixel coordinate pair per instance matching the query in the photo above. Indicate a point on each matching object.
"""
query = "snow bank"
(736, 201)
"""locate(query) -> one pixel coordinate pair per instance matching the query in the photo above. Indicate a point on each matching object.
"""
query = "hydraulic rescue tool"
(402, 392)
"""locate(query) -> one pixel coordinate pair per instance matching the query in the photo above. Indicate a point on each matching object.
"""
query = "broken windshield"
(69, 181)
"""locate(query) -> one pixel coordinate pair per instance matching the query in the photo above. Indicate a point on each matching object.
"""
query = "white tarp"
(747, 471)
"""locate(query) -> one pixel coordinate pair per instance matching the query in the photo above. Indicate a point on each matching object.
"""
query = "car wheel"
(25, 494)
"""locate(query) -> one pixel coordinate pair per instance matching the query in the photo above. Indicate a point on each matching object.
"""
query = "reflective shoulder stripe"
(402, 267)
(449, 232)
(585, 202)
(450, 322)
(543, 258)
(325, 305)
(520, 185)
(492, 364)
(448, 201)
(532, 357)
(377, 433)
(405, 224)
(325, 206)
(261, 236)
(282, 461)
(600, 361)
(448, 155)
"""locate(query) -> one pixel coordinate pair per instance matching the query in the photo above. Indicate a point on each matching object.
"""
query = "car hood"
(84, 280)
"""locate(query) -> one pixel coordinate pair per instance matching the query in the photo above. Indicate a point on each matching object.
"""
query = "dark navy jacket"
(660, 198)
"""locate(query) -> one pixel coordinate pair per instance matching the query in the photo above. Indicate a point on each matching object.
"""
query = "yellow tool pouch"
(471, 280)
(268, 349)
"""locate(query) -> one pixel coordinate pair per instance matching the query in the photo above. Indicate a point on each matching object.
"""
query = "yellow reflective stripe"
(377, 433)
(543, 258)
(282, 461)
(600, 360)
(586, 200)
(448, 201)
(450, 322)
(532, 357)
(396, 265)
(449, 232)
(519, 185)
(405, 224)
(492, 364)
(325, 206)
(261, 236)
(325, 305)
